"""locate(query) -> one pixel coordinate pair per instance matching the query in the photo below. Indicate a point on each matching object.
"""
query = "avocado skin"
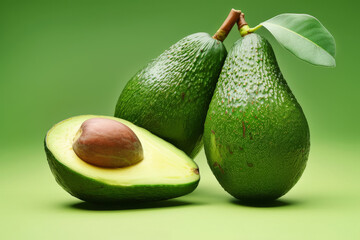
(91, 190)
(170, 96)
(256, 136)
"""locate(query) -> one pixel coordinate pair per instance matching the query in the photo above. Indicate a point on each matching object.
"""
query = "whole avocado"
(170, 95)
(256, 136)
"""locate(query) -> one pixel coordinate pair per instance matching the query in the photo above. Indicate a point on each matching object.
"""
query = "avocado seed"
(107, 143)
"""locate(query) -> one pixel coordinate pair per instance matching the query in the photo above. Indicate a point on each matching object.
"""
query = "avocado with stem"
(170, 95)
(256, 136)
(105, 159)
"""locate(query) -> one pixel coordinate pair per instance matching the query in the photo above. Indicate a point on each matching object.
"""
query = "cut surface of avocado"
(165, 172)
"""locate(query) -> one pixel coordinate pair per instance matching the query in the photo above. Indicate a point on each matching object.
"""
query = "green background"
(64, 58)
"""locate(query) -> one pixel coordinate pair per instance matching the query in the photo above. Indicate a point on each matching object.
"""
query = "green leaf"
(304, 36)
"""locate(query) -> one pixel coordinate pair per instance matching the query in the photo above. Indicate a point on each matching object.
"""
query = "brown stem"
(244, 28)
(229, 22)
(241, 21)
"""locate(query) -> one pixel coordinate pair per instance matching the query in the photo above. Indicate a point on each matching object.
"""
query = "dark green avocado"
(256, 136)
(170, 95)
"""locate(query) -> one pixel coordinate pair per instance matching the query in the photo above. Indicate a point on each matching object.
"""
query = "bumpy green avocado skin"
(256, 136)
(90, 190)
(170, 96)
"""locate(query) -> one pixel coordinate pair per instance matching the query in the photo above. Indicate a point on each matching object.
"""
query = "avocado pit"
(107, 143)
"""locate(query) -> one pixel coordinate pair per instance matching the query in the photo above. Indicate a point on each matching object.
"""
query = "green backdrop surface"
(64, 58)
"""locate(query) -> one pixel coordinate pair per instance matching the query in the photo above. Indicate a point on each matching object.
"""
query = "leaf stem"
(251, 30)
(229, 22)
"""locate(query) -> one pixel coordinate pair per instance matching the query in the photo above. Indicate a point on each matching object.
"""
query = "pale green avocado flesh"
(165, 172)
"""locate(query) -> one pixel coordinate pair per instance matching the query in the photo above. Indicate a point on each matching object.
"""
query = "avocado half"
(165, 172)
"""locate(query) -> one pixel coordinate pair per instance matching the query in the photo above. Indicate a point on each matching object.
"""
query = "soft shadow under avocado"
(265, 204)
(128, 206)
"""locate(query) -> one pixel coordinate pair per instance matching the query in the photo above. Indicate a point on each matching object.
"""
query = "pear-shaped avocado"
(256, 136)
(170, 96)
(162, 172)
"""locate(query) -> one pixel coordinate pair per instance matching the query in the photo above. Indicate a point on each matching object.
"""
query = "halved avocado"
(165, 172)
